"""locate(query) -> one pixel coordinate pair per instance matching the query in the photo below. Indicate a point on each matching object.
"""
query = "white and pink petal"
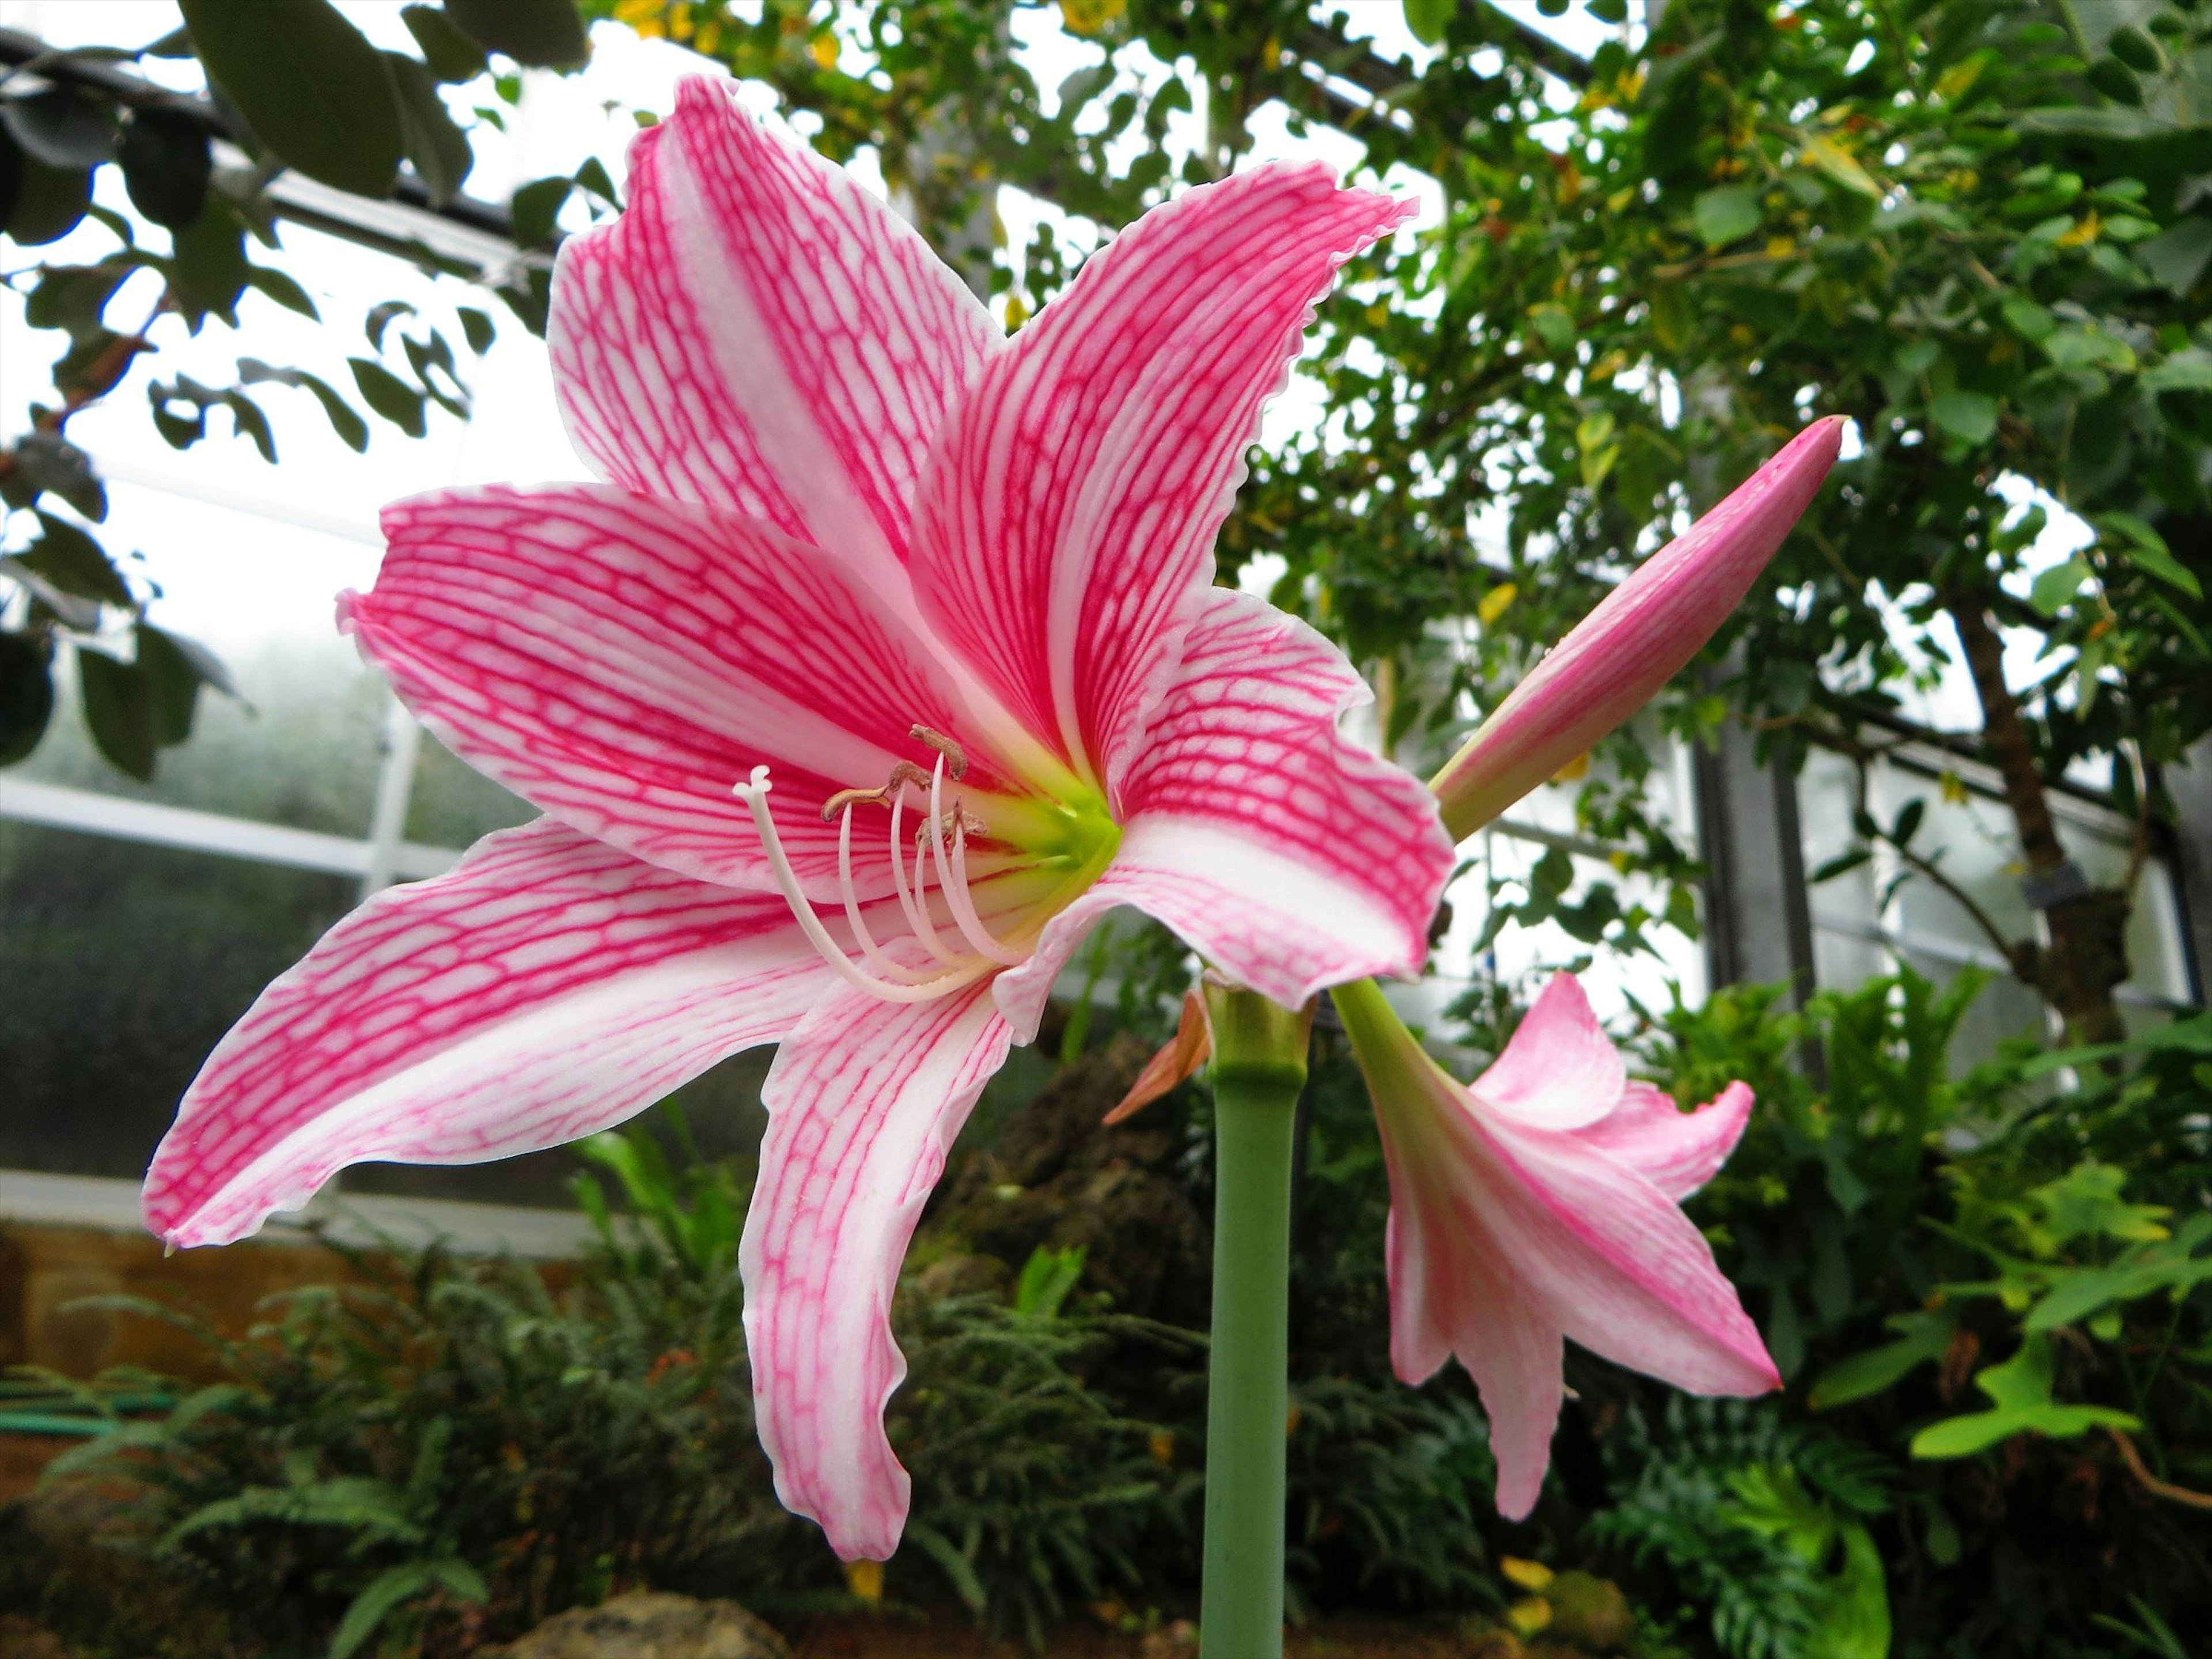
(1289, 856)
(622, 663)
(1677, 1151)
(1559, 1070)
(757, 333)
(1064, 528)
(863, 1101)
(546, 987)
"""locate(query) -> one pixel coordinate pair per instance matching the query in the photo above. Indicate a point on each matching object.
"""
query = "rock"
(651, 1624)
(1591, 1613)
(21, 1639)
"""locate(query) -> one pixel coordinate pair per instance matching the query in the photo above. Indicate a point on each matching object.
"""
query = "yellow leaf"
(1162, 1445)
(824, 49)
(1839, 163)
(1573, 772)
(866, 1579)
(1089, 16)
(1496, 602)
(1954, 788)
(1017, 312)
(1956, 79)
(1528, 1575)
(2084, 233)
(1781, 248)
(1530, 1616)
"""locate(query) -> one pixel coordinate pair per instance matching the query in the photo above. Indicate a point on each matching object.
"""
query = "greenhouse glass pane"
(123, 965)
(454, 804)
(300, 746)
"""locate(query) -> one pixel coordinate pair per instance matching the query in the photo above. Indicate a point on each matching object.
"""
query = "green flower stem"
(1259, 1066)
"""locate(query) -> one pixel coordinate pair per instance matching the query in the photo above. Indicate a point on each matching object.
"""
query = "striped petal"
(758, 333)
(1640, 636)
(863, 1101)
(547, 987)
(1064, 529)
(1677, 1151)
(1560, 1070)
(622, 662)
(1290, 856)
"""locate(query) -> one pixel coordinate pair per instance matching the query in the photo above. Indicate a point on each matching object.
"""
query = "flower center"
(1071, 841)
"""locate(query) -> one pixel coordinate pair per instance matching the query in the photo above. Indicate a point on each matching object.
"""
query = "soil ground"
(1350, 1636)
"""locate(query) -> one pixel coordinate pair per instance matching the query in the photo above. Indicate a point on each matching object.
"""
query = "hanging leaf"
(27, 695)
(1428, 19)
(1727, 214)
(1969, 417)
(540, 33)
(308, 84)
(389, 395)
(436, 149)
(209, 269)
(450, 55)
(166, 166)
(43, 202)
(535, 206)
(73, 562)
(118, 711)
(62, 127)
(345, 419)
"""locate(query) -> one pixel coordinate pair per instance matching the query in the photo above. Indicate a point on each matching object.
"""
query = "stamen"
(755, 796)
(955, 755)
(869, 949)
(917, 914)
(956, 896)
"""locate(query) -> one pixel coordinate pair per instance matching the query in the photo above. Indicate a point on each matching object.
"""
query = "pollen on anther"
(955, 757)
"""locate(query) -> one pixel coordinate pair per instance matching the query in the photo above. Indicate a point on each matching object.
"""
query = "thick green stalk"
(1259, 1066)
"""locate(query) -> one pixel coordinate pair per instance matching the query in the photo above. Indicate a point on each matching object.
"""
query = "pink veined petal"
(1560, 1070)
(1677, 1151)
(1454, 1291)
(863, 1100)
(1291, 856)
(547, 987)
(1640, 636)
(623, 662)
(1064, 527)
(1626, 1274)
(758, 333)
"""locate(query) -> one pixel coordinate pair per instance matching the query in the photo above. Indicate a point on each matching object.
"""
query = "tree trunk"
(2086, 956)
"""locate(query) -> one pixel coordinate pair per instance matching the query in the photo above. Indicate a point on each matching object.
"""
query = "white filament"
(953, 881)
(755, 796)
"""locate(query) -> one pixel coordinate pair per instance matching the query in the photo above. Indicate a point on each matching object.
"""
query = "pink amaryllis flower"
(1542, 1202)
(883, 665)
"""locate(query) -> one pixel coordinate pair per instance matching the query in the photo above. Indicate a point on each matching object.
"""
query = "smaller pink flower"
(1543, 1202)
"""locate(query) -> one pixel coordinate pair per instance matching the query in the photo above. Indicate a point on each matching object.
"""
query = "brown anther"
(955, 757)
(845, 799)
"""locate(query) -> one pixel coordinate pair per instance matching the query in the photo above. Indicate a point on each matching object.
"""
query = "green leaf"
(1831, 159)
(283, 289)
(1922, 1337)
(436, 149)
(1428, 19)
(2092, 121)
(1969, 417)
(958, 1571)
(2177, 257)
(535, 207)
(345, 419)
(209, 268)
(2031, 321)
(1553, 324)
(2019, 1390)
(62, 127)
(1727, 214)
(74, 562)
(542, 34)
(450, 55)
(2056, 587)
(118, 710)
(48, 200)
(380, 317)
(2147, 552)
(173, 685)
(1842, 864)
(27, 695)
(393, 1589)
(166, 166)
(390, 396)
(477, 328)
(2189, 369)
(308, 84)
(48, 461)
(1047, 1278)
